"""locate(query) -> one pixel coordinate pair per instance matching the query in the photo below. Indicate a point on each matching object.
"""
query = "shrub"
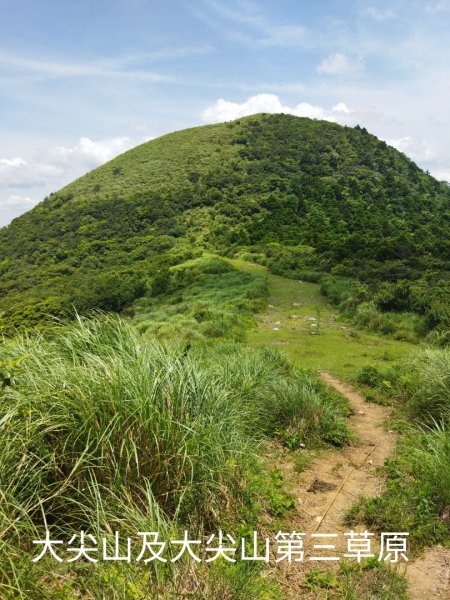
(103, 431)
(429, 398)
(369, 375)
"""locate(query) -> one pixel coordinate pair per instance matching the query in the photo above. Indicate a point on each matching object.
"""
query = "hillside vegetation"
(162, 418)
(102, 430)
(310, 199)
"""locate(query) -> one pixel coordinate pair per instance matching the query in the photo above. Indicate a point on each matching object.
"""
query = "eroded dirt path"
(428, 576)
(337, 477)
(333, 483)
(353, 468)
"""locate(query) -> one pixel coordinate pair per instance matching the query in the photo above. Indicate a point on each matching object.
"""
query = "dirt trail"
(428, 576)
(333, 483)
(339, 476)
(336, 479)
(352, 469)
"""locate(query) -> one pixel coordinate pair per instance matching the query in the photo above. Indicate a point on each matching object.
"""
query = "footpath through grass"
(311, 332)
(413, 379)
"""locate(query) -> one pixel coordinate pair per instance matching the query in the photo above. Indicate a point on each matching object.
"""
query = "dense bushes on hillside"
(311, 197)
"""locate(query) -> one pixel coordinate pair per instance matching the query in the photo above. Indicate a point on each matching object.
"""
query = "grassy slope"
(342, 354)
(314, 352)
(339, 348)
(207, 298)
(164, 163)
(416, 496)
(336, 196)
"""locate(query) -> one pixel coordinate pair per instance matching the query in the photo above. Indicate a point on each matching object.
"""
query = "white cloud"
(17, 202)
(13, 206)
(338, 64)
(261, 31)
(17, 172)
(225, 110)
(42, 69)
(62, 160)
(14, 201)
(437, 7)
(11, 163)
(284, 35)
(419, 150)
(378, 14)
(90, 153)
(442, 174)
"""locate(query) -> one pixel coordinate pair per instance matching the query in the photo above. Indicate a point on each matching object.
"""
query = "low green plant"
(417, 496)
(302, 462)
(104, 430)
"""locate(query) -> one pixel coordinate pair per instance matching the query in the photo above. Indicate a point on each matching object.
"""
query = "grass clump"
(200, 299)
(103, 430)
(429, 391)
(371, 580)
(417, 497)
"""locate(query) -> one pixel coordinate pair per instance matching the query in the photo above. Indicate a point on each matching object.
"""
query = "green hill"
(306, 197)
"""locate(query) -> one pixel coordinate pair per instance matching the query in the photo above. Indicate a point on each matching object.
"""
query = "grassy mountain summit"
(305, 196)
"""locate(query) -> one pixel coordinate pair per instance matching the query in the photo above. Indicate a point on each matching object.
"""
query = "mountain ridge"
(334, 199)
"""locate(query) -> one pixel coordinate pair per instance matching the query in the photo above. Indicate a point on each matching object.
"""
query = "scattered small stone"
(275, 329)
(370, 462)
(277, 323)
(295, 304)
(271, 306)
(361, 412)
(321, 486)
(312, 319)
(302, 445)
(318, 518)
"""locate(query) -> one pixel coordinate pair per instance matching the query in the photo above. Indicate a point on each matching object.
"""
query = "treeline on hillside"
(337, 199)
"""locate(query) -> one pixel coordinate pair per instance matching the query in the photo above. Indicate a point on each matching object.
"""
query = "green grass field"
(339, 347)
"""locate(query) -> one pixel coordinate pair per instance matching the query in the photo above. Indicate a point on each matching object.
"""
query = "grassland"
(106, 428)
(102, 416)
(167, 417)
(341, 347)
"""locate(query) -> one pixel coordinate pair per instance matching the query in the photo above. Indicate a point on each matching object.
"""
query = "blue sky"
(83, 81)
